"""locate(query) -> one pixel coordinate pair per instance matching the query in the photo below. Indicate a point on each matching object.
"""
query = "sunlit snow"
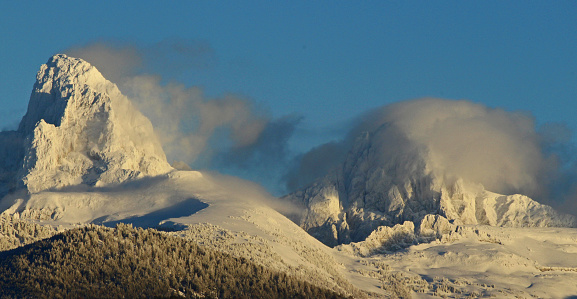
(88, 157)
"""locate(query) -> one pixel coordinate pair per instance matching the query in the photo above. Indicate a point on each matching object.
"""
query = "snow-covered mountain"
(79, 129)
(381, 186)
(84, 155)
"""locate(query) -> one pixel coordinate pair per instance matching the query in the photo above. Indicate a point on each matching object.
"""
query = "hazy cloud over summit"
(220, 133)
(502, 150)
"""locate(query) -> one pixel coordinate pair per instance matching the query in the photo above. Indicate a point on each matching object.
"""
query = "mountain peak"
(378, 186)
(61, 75)
(80, 129)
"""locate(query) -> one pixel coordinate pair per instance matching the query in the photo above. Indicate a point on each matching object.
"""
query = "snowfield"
(224, 213)
(484, 261)
(236, 217)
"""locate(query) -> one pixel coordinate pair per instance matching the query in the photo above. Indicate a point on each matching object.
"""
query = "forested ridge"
(96, 262)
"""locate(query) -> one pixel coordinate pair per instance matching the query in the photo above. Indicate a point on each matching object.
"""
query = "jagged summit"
(56, 82)
(379, 186)
(79, 129)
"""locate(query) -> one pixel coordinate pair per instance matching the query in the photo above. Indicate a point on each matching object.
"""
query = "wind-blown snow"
(383, 185)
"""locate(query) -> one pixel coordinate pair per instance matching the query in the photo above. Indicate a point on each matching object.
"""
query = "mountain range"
(376, 187)
(84, 163)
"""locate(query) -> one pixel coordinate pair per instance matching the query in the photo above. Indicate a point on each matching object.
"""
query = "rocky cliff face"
(79, 129)
(376, 187)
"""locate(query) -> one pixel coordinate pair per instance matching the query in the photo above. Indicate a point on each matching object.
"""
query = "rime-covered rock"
(80, 129)
(434, 227)
(376, 186)
(382, 239)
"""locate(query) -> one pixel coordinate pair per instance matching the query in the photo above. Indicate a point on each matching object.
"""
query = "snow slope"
(485, 261)
(236, 217)
(226, 213)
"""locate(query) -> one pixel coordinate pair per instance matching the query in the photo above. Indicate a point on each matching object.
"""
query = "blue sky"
(325, 61)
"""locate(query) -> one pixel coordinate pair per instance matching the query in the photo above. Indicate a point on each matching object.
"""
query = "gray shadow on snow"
(152, 219)
(125, 186)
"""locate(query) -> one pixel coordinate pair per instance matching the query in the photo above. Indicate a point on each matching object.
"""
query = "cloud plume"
(493, 147)
(201, 131)
(501, 150)
(115, 62)
(186, 120)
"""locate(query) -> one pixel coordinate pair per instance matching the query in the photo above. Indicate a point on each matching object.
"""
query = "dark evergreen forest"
(97, 262)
